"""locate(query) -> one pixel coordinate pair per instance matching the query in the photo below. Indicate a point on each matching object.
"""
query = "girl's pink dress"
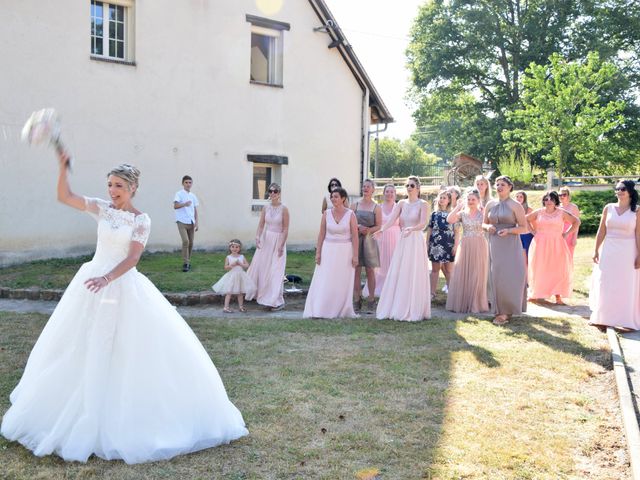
(331, 290)
(387, 242)
(614, 297)
(406, 294)
(572, 238)
(468, 286)
(267, 268)
(550, 268)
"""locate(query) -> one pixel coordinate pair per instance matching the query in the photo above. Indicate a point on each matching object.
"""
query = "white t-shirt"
(186, 214)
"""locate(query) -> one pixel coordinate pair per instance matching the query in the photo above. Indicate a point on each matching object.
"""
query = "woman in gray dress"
(504, 221)
(369, 217)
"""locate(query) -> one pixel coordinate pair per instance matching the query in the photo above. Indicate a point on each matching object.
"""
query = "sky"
(378, 30)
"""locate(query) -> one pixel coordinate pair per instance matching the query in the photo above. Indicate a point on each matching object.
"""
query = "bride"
(116, 371)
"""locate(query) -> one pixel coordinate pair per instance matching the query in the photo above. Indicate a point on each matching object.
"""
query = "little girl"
(235, 281)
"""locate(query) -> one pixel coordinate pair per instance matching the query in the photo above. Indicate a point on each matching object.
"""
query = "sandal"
(500, 320)
(242, 309)
(227, 310)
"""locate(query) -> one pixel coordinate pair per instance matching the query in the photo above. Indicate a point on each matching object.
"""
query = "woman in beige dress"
(504, 221)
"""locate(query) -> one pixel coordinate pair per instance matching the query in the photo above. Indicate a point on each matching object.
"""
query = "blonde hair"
(128, 173)
(488, 194)
(436, 205)
(416, 180)
(566, 190)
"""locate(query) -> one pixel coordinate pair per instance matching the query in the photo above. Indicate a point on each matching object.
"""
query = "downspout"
(364, 138)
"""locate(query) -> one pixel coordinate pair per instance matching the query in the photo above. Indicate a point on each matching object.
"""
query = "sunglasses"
(274, 191)
(410, 185)
(563, 194)
(621, 189)
(334, 185)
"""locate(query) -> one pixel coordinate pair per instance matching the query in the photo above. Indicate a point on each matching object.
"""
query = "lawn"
(344, 399)
(439, 399)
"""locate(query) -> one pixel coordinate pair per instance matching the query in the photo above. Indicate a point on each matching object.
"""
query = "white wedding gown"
(119, 373)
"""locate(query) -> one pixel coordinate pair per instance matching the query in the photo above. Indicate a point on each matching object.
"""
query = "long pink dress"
(614, 297)
(387, 242)
(550, 268)
(572, 238)
(468, 285)
(267, 268)
(406, 292)
(331, 290)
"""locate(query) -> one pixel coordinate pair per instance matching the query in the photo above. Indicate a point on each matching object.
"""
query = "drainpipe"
(364, 138)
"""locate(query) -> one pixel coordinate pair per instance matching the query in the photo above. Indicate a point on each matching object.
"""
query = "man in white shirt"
(185, 205)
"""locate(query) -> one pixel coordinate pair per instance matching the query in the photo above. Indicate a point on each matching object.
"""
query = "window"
(266, 170)
(111, 34)
(262, 178)
(266, 50)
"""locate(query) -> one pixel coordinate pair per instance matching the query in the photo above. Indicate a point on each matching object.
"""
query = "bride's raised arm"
(65, 195)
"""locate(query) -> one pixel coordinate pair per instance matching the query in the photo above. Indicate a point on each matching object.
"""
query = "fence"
(586, 182)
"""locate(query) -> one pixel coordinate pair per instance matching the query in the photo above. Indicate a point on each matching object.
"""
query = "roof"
(379, 111)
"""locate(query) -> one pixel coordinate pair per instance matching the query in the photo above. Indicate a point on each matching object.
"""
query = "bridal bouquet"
(41, 127)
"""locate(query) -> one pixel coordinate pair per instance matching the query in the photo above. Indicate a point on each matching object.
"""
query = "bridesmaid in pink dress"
(565, 203)
(331, 290)
(550, 269)
(405, 294)
(614, 297)
(269, 262)
(389, 239)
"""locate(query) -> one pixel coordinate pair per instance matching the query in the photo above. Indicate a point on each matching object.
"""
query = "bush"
(518, 167)
(591, 205)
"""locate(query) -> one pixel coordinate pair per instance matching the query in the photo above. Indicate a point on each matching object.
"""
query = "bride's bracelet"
(106, 279)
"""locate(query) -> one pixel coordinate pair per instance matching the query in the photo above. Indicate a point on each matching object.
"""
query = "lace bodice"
(410, 215)
(620, 226)
(338, 231)
(116, 229)
(550, 223)
(471, 226)
(273, 218)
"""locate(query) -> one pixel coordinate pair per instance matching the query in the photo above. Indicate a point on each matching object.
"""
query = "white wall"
(187, 107)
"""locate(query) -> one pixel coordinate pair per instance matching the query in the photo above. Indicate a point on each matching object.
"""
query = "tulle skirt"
(331, 291)
(119, 374)
(386, 246)
(614, 297)
(406, 292)
(468, 285)
(235, 282)
(267, 271)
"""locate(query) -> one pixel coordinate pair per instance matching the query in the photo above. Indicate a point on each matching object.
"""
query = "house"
(235, 94)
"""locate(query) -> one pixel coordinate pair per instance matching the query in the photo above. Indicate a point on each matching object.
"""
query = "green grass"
(439, 399)
(163, 269)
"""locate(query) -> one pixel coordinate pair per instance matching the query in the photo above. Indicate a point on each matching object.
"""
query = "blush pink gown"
(386, 246)
(267, 268)
(331, 290)
(406, 294)
(572, 238)
(550, 268)
(614, 297)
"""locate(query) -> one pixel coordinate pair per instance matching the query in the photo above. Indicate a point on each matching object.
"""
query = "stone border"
(178, 299)
(629, 419)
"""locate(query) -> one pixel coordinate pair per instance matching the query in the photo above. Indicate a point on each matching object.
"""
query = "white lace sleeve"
(94, 205)
(141, 229)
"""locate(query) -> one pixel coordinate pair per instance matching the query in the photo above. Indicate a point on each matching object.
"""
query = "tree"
(400, 159)
(474, 53)
(563, 115)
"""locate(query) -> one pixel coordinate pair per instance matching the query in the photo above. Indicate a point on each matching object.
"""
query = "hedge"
(591, 205)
